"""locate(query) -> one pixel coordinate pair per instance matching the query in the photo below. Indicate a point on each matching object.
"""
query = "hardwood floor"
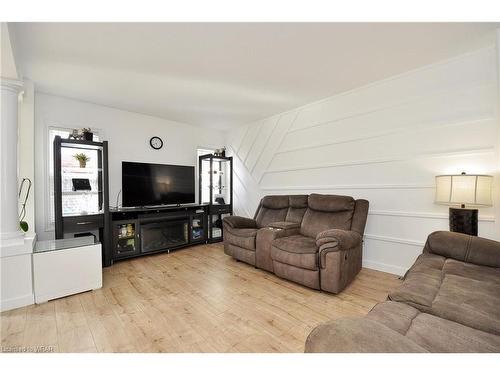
(192, 300)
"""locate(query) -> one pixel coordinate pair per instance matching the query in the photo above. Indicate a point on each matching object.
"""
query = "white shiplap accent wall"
(384, 142)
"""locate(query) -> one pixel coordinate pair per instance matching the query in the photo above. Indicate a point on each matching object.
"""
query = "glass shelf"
(66, 243)
(80, 192)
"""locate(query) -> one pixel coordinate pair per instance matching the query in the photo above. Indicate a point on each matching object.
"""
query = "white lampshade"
(464, 189)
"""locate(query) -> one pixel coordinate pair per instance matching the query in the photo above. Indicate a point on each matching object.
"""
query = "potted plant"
(82, 159)
(87, 134)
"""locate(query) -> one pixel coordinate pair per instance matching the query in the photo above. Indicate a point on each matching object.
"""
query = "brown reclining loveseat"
(449, 302)
(313, 240)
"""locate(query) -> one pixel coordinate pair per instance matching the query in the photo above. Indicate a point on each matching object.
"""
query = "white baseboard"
(14, 303)
(390, 268)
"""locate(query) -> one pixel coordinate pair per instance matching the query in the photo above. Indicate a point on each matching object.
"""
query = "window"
(52, 133)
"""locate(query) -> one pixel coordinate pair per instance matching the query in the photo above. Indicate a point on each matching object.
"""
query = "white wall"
(384, 142)
(128, 134)
(8, 67)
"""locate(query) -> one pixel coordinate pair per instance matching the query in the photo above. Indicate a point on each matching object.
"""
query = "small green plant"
(82, 159)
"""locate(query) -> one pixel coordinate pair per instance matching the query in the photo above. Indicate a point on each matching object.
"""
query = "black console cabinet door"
(126, 238)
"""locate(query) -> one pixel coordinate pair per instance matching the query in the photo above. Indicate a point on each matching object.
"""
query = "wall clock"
(156, 143)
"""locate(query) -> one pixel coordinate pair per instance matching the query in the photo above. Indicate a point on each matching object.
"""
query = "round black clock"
(156, 143)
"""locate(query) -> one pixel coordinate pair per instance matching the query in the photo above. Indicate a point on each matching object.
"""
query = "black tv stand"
(137, 231)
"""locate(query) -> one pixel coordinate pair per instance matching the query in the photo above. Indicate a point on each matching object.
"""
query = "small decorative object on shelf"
(87, 134)
(220, 152)
(82, 159)
(75, 134)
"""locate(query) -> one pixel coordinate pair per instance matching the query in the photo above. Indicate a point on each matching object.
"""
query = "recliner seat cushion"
(297, 250)
(241, 237)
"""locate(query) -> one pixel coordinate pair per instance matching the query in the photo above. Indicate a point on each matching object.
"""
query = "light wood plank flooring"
(192, 300)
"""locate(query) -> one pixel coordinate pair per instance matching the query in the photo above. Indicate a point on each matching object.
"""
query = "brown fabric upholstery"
(284, 225)
(396, 327)
(264, 239)
(470, 249)
(291, 250)
(242, 237)
(297, 250)
(463, 292)
(298, 206)
(327, 212)
(445, 304)
(247, 256)
(469, 302)
(336, 240)
(431, 332)
(360, 215)
(339, 268)
(298, 275)
(240, 222)
(349, 335)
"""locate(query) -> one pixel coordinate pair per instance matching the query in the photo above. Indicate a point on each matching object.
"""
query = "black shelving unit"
(81, 211)
(216, 190)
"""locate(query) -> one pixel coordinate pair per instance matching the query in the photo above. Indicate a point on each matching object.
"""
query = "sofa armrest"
(465, 248)
(336, 240)
(240, 222)
(283, 225)
(361, 335)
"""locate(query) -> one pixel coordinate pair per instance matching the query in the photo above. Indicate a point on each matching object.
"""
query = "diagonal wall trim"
(458, 151)
(265, 144)
(280, 144)
(401, 130)
(411, 100)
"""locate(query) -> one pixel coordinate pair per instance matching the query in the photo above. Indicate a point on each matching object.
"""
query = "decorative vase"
(83, 163)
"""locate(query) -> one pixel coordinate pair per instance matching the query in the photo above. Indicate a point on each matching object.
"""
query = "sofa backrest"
(465, 248)
(297, 208)
(273, 208)
(327, 212)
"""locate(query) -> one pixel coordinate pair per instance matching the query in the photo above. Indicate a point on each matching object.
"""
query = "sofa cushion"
(471, 271)
(465, 293)
(298, 206)
(330, 203)
(242, 237)
(297, 250)
(327, 212)
(431, 332)
(275, 202)
(348, 335)
(470, 302)
(265, 216)
(465, 248)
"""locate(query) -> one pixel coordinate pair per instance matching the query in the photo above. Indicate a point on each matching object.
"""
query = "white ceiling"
(223, 75)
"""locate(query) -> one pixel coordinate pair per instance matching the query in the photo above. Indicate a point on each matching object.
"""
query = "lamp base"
(463, 220)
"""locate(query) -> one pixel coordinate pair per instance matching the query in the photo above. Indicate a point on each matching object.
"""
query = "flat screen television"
(146, 184)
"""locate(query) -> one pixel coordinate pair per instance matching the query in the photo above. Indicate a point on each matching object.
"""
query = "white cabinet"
(65, 267)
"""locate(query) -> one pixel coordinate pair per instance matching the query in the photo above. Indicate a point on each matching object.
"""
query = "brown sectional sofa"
(313, 240)
(449, 302)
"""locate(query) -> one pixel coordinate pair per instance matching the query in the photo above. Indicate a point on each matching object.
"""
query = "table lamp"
(460, 190)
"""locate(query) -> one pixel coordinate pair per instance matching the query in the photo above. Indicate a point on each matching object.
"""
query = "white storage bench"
(65, 267)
